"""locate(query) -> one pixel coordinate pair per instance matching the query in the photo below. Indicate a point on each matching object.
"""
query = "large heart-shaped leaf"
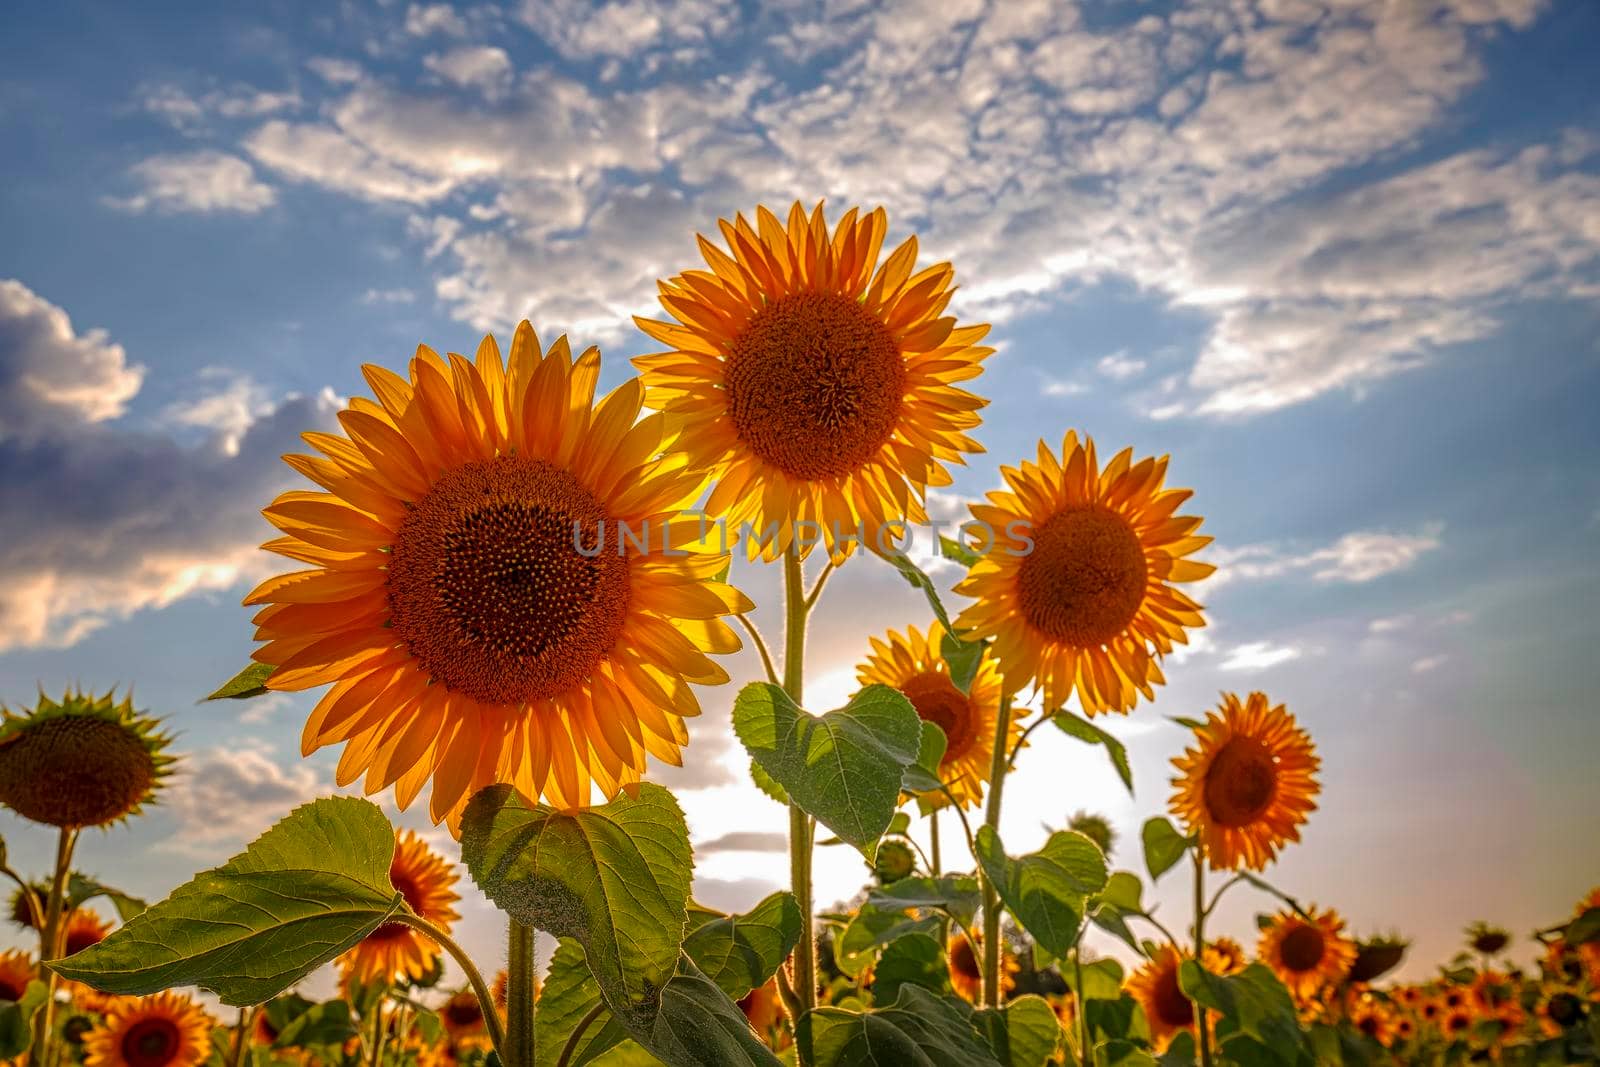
(740, 952)
(843, 768)
(1025, 1033)
(1089, 733)
(303, 892)
(1046, 890)
(912, 959)
(918, 1030)
(870, 929)
(1163, 845)
(614, 877)
(698, 1025)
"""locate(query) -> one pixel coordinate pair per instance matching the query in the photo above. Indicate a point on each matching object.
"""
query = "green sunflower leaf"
(843, 768)
(81, 889)
(16, 1020)
(1253, 999)
(740, 952)
(923, 775)
(614, 877)
(912, 959)
(957, 894)
(951, 548)
(918, 579)
(963, 659)
(1163, 845)
(1584, 929)
(250, 682)
(329, 1023)
(1046, 890)
(1025, 1033)
(918, 1030)
(870, 929)
(1089, 733)
(567, 997)
(302, 893)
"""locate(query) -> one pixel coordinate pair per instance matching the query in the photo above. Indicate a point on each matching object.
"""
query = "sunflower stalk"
(991, 896)
(518, 1048)
(491, 1014)
(797, 610)
(51, 936)
(1203, 1034)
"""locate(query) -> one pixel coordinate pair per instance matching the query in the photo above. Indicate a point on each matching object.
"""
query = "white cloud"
(1428, 663)
(626, 27)
(334, 70)
(425, 20)
(204, 182)
(229, 403)
(1119, 366)
(388, 296)
(222, 798)
(1257, 656)
(1357, 557)
(481, 67)
(48, 371)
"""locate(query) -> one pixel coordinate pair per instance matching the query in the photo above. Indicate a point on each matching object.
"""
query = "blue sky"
(1340, 259)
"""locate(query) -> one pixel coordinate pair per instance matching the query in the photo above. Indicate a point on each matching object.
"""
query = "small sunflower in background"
(17, 969)
(1224, 956)
(1249, 785)
(1375, 1019)
(26, 914)
(964, 958)
(1155, 986)
(1376, 957)
(1456, 1023)
(395, 950)
(815, 384)
(1487, 940)
(764, 1009)
(472, 600)
(1077, 587)
(1307, 952)
(500, 990)
(914, 664)
(80, 761)
(1491, 991)
(1557, 1011)
(85, 928)
(462, 1016)
(1096, 828)
(165, 1030)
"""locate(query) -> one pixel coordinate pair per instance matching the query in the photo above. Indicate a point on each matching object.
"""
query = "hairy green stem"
(518, 1051)
(51, 936)
(1201, 1029)
(991, 896)
(491, 1014)
(1080, 1005)
(796, 611)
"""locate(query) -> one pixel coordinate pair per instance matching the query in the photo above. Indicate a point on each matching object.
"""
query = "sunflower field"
(505, 592)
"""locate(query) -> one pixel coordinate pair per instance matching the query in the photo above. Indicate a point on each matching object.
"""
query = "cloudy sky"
(1340, 259)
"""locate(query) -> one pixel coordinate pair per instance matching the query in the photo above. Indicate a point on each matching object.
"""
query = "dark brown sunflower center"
(407, 887)
(1241, 783)
(1564, 1009)
(1302, 948)
(151, 1043)
(814, 385)
(505, 581)
(962, 961)
(1172, 1006)
(462, 1011)
(82, 935)
(1368, 1024)
(938, 701)
(75, 770)
(1084, 581)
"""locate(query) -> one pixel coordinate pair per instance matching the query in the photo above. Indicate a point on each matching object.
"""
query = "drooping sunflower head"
(817, 385)
(17, 969)
(1096, 828)
(1307, 951)
(394, 950)
(1155, 986)
(1249, 785)
(165, 1030)
(1077, 586)
(502, 587)
(914, 664)
(895, 861)
(964, 958)
(1376, 957)
(83, 760)
(23, 913)
(1487, 940)
(1224, 956)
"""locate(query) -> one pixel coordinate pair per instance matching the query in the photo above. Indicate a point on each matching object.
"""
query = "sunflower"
(965, 960)
(764, 1010)
(1491, 991)
(1224, 956)
(816, 385)
(1155, 986)
(1307, 951)
(1405, 1028)
(22, 913)
(1096, 828)
(1375, 1019)
(1376, 957)
(84, 928)
(502, 588)
(1455, 998)
(1249, 785)
(16, 971)
(1456, 1023)
(500, 990)
(84, 760)
(1075, 587)
(395, 950)
(1557, 1011)
(914, 664)
(1589, 951)
(463, 1020)
(166, 1030)
(1487, 940)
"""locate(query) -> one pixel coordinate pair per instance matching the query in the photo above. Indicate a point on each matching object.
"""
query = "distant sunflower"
(463, 1019)
(1307, 952)
(1250, 784)
(966, 967)
(1589, 951)
(1096, 828)
(1155, 986)
(1375, 1019)
(1558, 1010)
(1487, 940)
(474, 602)
(817, 385)
(1076, 587)
(764, 1010)
(914, 664)
(1376, 957)
(166, 1030)
(1491, 991)
(21, 913)
(1456, 1023)
(395, 950)
(84, 929)
(1224, 956)
(1454, 997)
(84, 760)
(17, 969)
